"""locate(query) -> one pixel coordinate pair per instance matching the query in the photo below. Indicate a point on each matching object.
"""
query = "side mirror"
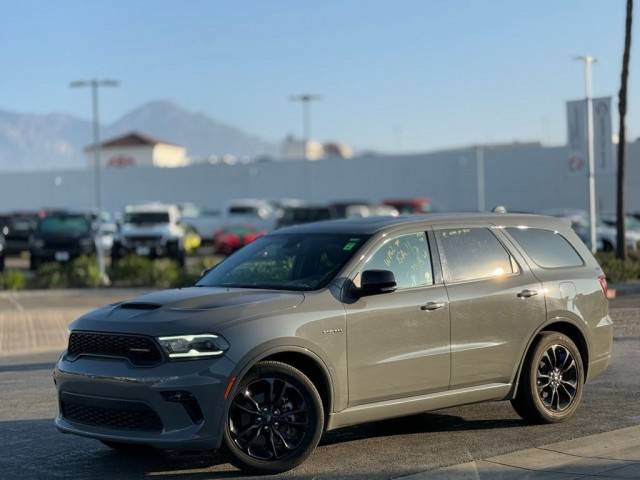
(374, 282)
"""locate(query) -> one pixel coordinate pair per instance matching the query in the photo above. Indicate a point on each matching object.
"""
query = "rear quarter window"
(547, 248)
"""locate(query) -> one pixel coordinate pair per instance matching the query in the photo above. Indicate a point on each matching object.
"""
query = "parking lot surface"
(32, 448)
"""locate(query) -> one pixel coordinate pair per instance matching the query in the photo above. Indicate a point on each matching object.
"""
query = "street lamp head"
(95, 83)
(108, 83)
(586, 58)
(305, 97)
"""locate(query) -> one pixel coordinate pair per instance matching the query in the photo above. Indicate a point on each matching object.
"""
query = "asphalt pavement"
(31, 448)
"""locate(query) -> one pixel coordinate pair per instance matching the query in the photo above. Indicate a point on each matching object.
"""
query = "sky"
(404, 75)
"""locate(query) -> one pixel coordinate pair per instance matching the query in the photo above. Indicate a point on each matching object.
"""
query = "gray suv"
(331, 324)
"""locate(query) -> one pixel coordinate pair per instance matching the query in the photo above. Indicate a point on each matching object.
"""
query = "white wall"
(525, 178)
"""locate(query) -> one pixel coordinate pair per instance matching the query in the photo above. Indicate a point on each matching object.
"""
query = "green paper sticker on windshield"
(349, 246)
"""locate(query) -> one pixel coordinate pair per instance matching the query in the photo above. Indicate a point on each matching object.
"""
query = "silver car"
(331, 324)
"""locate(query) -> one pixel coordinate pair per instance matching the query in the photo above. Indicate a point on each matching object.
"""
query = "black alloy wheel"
(275, 419)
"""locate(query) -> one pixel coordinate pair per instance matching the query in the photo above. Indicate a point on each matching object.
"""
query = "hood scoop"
(139, 306)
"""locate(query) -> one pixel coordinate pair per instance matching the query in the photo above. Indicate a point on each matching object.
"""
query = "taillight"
(603, 283)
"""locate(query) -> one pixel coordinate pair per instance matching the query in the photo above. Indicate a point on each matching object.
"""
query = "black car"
(299, 215)
(17, 228)
(61, 238)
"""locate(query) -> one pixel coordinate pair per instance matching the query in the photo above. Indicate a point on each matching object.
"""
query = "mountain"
(57, 141)
(29, 142)
(201, 135)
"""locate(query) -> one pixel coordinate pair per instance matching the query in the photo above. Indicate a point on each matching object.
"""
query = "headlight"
(194, 346)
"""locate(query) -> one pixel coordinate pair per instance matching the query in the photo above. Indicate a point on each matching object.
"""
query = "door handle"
(526, 293)
(431, 306)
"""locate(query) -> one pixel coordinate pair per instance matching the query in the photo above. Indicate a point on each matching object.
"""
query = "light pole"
(480, 182)
(305, 99)
(588, 61)
(95, 84)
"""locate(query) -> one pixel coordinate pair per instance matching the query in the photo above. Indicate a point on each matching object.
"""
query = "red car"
(229, 239)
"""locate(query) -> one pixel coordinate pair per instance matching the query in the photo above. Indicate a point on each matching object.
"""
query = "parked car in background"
(299, 215)
(260, 214)
(606, 231)
(410, 206)
(383, 211)
(61, 237)
(105, 229)
(355, 209)
(631, 223)
(2, 250)
(349, 208)
(331, 324)
(192, 239)
(17, 228)
(150, 230)
(205, 221)
(233, 237)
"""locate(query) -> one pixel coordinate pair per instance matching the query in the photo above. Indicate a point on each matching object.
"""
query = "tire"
(536, 402)
(116, 254)
(176, 253)
(2, 263)
(273, 441)
(34, 263)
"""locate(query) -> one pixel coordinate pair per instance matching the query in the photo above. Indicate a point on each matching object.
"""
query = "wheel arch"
(561, 325)
(298, 357)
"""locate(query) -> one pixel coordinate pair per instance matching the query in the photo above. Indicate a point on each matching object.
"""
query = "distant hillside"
(52, 141)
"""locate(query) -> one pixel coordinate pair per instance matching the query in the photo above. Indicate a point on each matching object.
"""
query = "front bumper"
(154, 249)
(70, 252)
(100, 381)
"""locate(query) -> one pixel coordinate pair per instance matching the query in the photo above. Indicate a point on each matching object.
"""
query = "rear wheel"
(551, 381)
(275, 419)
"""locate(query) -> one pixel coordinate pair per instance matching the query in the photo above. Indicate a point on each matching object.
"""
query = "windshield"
(286, 262)
(147, 217)
(71, 225)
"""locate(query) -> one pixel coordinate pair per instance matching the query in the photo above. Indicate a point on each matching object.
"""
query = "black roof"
(372, 225)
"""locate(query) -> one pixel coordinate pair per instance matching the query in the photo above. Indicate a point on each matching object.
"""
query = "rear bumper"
(106, 383)
(601, 347)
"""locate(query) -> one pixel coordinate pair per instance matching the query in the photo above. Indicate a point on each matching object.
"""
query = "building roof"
(373, 225)
(132, 139)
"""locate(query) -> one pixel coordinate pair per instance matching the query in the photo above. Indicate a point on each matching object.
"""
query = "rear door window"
(473, 253)
(547, 248)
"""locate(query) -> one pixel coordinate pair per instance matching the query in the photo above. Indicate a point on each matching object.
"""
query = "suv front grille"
(134, 416)
(143, 239)
(139, 350)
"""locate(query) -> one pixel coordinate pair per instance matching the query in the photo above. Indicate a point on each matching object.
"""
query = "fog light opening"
(189, 403)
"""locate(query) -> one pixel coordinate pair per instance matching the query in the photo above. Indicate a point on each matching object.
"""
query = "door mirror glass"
(374, 282)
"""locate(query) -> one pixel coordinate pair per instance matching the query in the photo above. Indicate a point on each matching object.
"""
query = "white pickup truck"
(150, 230)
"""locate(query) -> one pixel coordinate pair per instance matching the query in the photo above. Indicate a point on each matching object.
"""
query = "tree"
(621, 244)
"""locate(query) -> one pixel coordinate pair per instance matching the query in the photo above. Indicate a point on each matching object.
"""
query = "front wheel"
(551, 382)
(275, 419)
